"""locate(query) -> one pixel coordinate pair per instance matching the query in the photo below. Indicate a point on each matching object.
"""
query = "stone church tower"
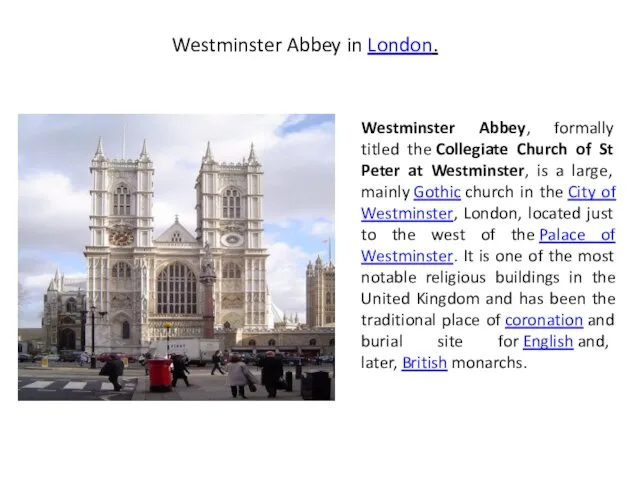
(139, 282)
(321, 294)
(229, 219)
(120, 254)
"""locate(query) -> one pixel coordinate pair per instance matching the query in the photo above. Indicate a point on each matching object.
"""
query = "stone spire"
(99, 150)
(252, 155)
(208, 156)
(143, 154)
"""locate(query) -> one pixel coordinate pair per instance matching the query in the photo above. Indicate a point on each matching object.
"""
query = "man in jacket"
(215, 360)
(113, 369)
(272, 372)
(179, 369)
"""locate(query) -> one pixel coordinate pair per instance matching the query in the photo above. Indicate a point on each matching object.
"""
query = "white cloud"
(52, 213)
(286, 276)
(321, 229)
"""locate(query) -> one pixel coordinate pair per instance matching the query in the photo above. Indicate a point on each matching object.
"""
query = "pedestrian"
(239, 376)
(216, 360)
(179, 369)
(113, 368)
(83, 358)
(144, 361)
(272, 373)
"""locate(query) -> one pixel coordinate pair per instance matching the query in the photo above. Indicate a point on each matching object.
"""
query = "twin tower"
(143, 280)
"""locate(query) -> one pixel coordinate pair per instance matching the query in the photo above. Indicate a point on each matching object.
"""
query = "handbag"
(251, 385)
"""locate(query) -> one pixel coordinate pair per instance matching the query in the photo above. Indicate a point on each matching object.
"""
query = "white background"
(534, 64)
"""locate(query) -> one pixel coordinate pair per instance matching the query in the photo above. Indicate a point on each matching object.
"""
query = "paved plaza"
(72, 382)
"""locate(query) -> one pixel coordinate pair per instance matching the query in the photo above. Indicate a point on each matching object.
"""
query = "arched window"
(252, 343)
(126, 330)
(71, 305)
(176, 290)
(231, 270)
(328, 298)
(332, 342)
(312, 342)
(231, 203)
(176, 238)
(272, 343)
(122, 201)
(121, 270)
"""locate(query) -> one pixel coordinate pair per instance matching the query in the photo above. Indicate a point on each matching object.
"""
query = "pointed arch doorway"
(66, 339)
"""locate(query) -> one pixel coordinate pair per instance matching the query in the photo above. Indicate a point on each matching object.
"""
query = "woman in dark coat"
(272, 372)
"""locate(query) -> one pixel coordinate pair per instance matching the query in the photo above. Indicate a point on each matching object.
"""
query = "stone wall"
(321, 341)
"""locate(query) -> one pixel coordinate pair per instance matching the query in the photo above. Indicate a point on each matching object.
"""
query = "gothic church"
(141, 282)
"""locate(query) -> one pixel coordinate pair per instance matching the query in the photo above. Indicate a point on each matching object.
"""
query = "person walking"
(144, 361)
(272, 373)
(179, 369)
(216, 360)
(83, 358)
(239, 376)
(113, 368)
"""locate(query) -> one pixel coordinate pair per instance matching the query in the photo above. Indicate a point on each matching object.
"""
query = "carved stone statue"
(207, 261)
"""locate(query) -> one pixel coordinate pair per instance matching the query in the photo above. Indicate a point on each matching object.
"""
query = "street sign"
(45, 362)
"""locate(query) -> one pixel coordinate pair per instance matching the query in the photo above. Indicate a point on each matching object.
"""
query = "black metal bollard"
(298, 372)
(288, 378)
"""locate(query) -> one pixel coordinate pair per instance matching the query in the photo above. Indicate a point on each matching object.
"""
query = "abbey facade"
(141, 282)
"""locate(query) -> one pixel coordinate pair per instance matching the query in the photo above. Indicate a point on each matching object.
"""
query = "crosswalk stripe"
(74, 385)
(38, 384)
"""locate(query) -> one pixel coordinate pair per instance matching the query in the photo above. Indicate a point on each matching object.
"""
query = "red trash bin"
(159, 375)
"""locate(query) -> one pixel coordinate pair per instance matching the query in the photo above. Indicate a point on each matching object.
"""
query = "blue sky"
(296, 151)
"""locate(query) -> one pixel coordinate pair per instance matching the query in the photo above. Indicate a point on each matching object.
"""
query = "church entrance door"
(66, 339)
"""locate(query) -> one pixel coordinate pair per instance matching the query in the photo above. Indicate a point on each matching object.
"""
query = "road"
(48, 387)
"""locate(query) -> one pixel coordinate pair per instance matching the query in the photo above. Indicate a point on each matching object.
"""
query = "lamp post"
(168, 326)
(93, 334)
(83, 331)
